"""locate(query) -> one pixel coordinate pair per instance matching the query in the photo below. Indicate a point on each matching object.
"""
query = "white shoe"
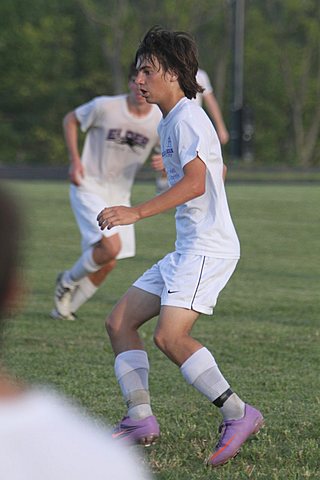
(62, 297)
(57, 316)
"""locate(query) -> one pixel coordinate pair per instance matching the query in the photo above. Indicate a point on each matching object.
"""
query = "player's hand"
(76, 173)
(157, 162)
(118, 215)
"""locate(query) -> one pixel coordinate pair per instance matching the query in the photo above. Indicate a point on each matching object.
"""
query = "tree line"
(57, 55)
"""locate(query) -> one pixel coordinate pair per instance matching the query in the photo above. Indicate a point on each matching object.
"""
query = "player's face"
(135, 93)
(151, 81)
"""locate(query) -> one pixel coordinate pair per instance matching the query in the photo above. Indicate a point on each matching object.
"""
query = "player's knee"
(110, 252)
(109, 266)
(116, 325)
(162, 341)
(108, 248)
(111, 325)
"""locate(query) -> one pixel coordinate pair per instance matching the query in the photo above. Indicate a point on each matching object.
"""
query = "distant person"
(212, 107)
(42, 435)
(121, 131)
(186, 282)
(211, 104)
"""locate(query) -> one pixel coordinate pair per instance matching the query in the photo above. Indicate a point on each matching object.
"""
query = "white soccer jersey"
(117, 142)
(204, 225)
(203, 80)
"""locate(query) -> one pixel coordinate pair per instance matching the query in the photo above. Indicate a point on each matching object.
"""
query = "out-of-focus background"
(262, 57)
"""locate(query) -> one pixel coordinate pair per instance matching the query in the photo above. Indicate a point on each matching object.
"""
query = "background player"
(187, 282)
(212, 107)
(121, 132)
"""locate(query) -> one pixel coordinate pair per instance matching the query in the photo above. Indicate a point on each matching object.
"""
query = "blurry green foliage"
(56, 55)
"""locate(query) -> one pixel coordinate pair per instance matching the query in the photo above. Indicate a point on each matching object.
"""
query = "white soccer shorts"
(188, 281)
(86, 206)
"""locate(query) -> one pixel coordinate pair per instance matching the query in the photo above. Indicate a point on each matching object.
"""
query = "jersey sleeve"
(204, 80)
(196, 136)
(88, 114)
(191, 143)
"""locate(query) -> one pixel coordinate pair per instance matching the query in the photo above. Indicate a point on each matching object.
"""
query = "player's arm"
(192, 185)
(224, 172)
(70, 128)
(216, 115)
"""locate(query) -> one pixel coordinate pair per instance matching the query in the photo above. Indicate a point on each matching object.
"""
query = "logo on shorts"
(173, 291)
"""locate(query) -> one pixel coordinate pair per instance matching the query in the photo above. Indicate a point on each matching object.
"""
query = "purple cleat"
(233, 434)
(144, 432)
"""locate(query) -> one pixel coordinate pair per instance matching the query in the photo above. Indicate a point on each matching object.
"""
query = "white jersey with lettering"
(204, 225)
(117, 142)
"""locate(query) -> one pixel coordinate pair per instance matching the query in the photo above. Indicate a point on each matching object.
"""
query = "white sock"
(201, 371)
(132, 372)
(233, 408)
(85, 290)
(84, 265)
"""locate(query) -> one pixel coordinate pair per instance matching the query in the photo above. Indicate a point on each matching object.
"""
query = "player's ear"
(173, 76)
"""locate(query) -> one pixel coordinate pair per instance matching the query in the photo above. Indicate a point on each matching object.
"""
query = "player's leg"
(199, 368)
(132, 366)
(93, 259)
(193, 283)
(133, 309)
(74, 286)
(182, 301)
(88, 286)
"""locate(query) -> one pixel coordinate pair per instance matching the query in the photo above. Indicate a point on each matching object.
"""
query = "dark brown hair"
(176, 52)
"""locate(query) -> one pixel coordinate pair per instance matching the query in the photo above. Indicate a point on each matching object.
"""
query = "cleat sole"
(149, 440)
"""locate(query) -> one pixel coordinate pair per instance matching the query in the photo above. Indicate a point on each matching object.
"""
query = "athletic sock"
(85, 290)
(233, 408)
(201, 371)
(84, 265)
(132, 372)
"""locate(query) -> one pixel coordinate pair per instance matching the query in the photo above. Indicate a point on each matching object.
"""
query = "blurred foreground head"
(10, 232)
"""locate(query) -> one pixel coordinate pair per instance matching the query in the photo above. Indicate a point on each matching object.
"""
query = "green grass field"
(265, 333)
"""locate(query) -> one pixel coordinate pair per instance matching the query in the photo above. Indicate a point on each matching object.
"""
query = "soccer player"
(42, 434)
(186, 282)
(121, 133)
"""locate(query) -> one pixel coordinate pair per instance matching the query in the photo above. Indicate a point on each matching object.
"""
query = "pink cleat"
(144, 432)
(233, 434)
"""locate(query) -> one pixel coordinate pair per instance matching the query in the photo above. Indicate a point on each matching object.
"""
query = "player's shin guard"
(132, 370)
